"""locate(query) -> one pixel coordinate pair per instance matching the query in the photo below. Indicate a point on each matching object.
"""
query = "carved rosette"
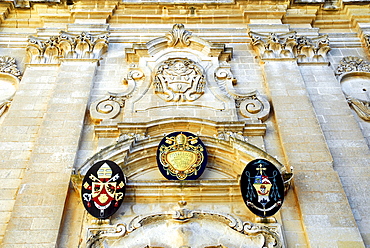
(251, 104)
(367, 40)
(83, 46)
(357, 65)
(289, 45)
(110, 106)
(179, 79)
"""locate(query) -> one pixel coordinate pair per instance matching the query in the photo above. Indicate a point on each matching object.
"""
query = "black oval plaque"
(103, 189)
(181, 156)
(262, 187)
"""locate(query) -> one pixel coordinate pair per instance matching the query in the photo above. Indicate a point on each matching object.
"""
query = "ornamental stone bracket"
(10, 77)
(180, 228)
(291, 46)
(110, 106)
(367, 41)
(249, 105)
(66, 46)
(354, 75)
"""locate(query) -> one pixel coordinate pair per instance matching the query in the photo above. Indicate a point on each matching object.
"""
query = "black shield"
(103, 189)
(262, 187)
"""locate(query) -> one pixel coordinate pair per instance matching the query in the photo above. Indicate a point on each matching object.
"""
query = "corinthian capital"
(68, 46)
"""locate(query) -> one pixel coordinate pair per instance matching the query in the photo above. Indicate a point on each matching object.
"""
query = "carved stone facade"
(86, 80)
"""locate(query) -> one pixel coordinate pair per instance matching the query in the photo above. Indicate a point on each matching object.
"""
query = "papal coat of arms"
(179, 79)
(103, 189)
(181, 155)
(262, 187)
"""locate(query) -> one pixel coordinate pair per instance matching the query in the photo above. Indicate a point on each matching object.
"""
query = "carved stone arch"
(136, 153)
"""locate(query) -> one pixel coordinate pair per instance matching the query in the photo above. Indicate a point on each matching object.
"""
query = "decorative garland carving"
(99, 233)
(289, 45)
(110, 106)
(352, 64)
(179, 79)
(82, 46)
(250, 105)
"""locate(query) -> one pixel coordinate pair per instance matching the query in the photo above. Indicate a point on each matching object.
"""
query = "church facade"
(184, 124)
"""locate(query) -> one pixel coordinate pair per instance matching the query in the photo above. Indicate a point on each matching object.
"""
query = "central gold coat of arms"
(181, 155)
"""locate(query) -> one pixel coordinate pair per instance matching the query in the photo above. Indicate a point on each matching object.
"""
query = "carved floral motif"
(352, 64)
(8, 65)
(179, 79)
(83, 46)
(250, 105)
(289, 45)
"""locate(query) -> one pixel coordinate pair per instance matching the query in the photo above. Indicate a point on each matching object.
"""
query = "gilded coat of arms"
(181, 155)
(179, 79)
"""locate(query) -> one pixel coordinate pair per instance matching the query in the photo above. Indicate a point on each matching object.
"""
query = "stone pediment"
(180, 75)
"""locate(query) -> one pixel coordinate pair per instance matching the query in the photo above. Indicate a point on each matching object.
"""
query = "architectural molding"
(67, 46)
(290, 46)
(269, 234)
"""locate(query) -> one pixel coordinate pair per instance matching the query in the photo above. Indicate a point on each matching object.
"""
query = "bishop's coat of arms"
(262, 187)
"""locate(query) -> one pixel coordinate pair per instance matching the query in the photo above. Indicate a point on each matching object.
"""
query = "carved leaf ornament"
(82, 46)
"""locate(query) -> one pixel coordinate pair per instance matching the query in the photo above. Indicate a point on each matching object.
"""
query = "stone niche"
(179, 75)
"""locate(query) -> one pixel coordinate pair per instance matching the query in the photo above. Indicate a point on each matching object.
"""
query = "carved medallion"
(103, 189)
(262, 188)
(179, 79)
(181, 155)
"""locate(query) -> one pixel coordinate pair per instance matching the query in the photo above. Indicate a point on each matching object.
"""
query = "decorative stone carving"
(289, 45)
(352, 64)
(82, 46)
(178, 36)
(367, 40)
(8, 65)
(227, 136)
(251, 104)
(110, 106)
(266, 234)
(351, 71)
(9, 83)
(179, 79)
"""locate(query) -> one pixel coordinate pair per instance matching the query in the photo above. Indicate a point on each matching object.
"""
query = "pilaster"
(304, 144)
(39, 203)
